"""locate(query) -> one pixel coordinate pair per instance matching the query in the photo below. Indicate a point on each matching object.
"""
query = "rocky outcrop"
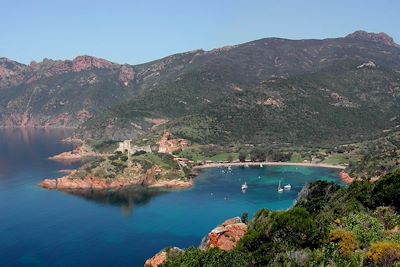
(89, 182)
(162, 256)
(126, 75)
(10, 72)
(13, 73)
(87, 62)
(367, 65)
(157, 260)
(274, 103)
(345, 177)
(77, 154)
(373, 37)
(133, 177)
(226, 236)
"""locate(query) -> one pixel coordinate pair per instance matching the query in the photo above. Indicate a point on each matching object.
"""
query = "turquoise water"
(50, 228)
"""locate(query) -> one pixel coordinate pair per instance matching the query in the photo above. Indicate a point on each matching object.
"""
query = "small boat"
(261, 166)
(229, 168)
(280, 189)
(287, 187)
(246, 165)
(244, 186)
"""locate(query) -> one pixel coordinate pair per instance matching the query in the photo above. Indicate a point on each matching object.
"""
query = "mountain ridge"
(106, 99)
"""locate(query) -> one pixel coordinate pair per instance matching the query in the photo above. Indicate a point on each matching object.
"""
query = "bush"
(295, 227)
(210, 258)
(366, 228)
(315, 196)
(387, 190)
(384, 253)
(388, 217)
(345, 240)
(258, 155)
(242, 156)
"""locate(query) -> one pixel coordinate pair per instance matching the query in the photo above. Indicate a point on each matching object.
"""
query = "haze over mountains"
(269, 90)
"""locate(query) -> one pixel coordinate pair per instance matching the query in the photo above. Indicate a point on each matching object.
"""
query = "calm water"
(50, 228)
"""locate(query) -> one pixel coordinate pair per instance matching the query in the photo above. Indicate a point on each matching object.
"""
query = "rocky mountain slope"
(269, 90)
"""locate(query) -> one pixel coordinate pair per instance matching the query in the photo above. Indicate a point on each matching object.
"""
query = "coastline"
(269, 163)
(94, 183)
(38, 127)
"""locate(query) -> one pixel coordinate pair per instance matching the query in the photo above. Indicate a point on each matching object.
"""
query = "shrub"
(242, 156)
(296, 227)
(366, 228)
(316, 195)
(384, 253)
(345, 240)
(210, 258)
(387, 190)
(388, 217)
(258, 155)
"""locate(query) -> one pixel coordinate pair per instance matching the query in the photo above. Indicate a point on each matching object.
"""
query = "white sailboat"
(244, 186)
(280, 189)
(287, 187)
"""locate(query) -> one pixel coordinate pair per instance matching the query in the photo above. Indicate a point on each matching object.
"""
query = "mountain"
(268, 90)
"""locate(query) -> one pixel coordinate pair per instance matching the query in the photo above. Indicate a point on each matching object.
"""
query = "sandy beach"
(267, 163)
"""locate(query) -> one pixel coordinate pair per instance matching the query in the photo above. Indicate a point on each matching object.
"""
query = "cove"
(121, 228)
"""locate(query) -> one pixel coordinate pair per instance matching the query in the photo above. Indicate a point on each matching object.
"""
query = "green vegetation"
(329, 226)
(101, 146)
(308, 110)
(375, 157)
(123, 166)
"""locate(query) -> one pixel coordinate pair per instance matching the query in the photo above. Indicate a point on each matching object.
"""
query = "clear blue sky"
(139, 31)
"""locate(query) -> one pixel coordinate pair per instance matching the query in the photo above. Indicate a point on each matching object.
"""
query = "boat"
(280, 189)
(287, 187)
(229, 168)
(246, 165)
(244, 186)
(261, 166)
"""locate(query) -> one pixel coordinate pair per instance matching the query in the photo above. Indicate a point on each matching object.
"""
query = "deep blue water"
(49, 228)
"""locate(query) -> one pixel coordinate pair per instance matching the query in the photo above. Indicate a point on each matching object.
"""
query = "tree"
(296, 227)
(386, 192)
(242, 156)
(258, 155)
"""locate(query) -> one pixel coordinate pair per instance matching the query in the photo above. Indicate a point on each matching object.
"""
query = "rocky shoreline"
(95, 183)
(79, 153)
(345, 177)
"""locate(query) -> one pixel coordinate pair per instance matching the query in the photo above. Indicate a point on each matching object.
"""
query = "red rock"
(226, 236)
(49, 184)
(345, 177)
(157, 260)
(126, 74)
(86, 62)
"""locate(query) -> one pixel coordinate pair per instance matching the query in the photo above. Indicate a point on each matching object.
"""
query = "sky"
(136, 31)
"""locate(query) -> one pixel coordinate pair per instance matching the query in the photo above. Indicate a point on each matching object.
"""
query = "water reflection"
(27, 149)
(127, 199)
